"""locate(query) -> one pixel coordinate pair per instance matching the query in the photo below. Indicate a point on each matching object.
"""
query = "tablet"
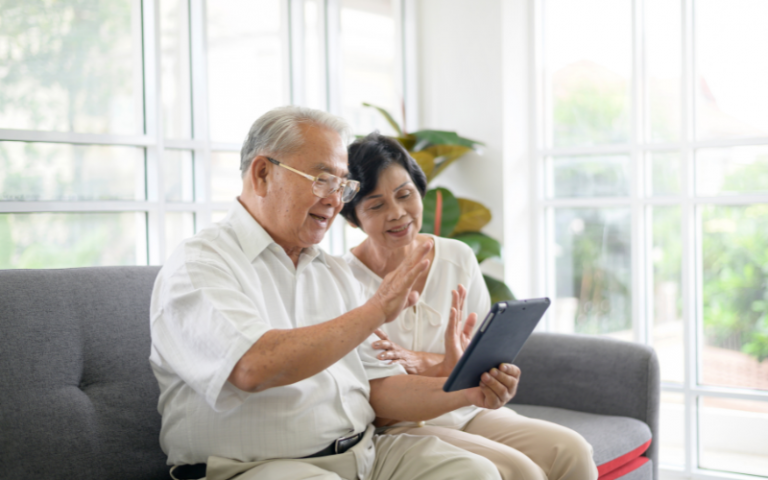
(498, 340)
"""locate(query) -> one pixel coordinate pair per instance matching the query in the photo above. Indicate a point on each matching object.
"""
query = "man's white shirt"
(219, 292)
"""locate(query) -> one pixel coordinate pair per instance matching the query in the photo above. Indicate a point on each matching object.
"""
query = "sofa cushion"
(79, 399)
(616, 441)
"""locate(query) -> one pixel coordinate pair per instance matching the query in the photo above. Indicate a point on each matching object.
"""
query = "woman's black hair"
(368, 157)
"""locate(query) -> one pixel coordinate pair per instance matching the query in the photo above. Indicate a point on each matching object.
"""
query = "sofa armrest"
(591, 374)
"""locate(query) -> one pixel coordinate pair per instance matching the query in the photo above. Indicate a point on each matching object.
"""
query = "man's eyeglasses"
(326, 184)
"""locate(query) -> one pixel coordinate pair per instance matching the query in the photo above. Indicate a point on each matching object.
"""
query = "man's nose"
(334, 199)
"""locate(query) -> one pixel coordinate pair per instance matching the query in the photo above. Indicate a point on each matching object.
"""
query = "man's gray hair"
(278, 132)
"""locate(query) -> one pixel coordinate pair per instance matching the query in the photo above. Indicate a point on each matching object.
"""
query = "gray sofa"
(78, 398)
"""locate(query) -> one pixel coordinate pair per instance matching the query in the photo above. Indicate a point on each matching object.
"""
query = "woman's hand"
(457, 338)
(415, 363)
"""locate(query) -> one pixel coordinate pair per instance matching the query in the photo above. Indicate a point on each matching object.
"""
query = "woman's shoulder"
(359, 269)
(454, 250)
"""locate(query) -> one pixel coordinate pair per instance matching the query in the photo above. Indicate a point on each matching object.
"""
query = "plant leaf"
(445, 155)
(474, 216)
(388, 117)
(499, 290)
(450, 215)
(426, 161)
(442, 137)
(483, 245)
(407, 141)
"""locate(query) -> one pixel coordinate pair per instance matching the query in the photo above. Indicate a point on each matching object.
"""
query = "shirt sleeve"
(202, 325)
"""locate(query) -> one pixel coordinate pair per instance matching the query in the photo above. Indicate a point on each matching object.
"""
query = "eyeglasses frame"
(342, 182)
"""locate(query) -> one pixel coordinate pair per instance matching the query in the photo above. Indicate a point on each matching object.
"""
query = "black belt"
(193, 472)
(339, 446)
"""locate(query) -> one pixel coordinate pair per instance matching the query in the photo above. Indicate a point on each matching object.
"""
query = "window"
(652, 146)
(121, 121)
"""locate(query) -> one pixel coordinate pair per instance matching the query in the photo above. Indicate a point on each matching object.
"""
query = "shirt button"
(421, 424)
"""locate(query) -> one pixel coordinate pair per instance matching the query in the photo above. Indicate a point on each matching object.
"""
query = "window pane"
(665, 173)
(313, 81)
(672, 429)
(72, 66)
(732, 62)
(663, 43)
(64, 240)
(353, 236)
(592, 258)
(178, 176)
(55, 171)
(175, 64)
(178, 226)
(735, 303)
(368, 65)
(590, 176)
(666, 306)
(732, 170)
(733, 435)
(245, 65)
(588, 48)
(226, 183)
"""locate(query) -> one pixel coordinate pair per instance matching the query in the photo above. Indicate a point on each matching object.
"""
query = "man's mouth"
(319, 218)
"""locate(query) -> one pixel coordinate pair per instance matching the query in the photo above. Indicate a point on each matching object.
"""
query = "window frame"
(154, 142)
(525, 53)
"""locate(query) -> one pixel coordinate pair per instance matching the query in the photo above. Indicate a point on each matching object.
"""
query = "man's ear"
(258, 173)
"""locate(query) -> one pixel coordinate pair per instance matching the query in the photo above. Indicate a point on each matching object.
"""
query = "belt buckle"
(337, 446)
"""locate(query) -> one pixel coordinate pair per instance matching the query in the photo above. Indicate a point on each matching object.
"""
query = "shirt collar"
(254, 239)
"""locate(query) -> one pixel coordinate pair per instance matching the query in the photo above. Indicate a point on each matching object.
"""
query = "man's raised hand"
(395, 292)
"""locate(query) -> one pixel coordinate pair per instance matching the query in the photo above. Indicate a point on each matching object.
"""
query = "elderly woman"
(388, 209)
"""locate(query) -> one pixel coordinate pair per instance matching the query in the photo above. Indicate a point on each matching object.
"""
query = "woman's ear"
(258, 174)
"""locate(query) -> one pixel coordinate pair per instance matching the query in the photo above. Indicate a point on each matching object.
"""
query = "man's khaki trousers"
(522, 448)
(375, 457)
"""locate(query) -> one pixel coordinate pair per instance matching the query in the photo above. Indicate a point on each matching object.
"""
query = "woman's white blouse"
(422, 327)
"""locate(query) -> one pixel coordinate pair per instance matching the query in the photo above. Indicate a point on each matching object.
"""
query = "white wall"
(463, 53)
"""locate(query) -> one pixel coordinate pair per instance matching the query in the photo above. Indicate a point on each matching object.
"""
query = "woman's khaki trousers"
(522, 448)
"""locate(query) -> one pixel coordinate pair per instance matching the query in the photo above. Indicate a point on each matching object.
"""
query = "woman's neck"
(382, 260)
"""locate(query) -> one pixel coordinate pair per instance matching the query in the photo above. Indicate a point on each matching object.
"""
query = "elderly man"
(259, 339)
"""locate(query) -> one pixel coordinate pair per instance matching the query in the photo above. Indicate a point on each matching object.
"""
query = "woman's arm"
(415, 363)
(457, 338)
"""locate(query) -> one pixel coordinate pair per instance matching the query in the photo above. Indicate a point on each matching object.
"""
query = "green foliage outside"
(734, 266)
(735, 284)
(444, 214)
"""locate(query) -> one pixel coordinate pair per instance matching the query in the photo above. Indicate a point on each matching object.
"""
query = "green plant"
(445, 215)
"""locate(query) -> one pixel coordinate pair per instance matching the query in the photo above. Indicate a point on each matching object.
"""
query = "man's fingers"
(413, 299)
(491, 381)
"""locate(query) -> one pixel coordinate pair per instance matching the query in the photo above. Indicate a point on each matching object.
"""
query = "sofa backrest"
(77, 396)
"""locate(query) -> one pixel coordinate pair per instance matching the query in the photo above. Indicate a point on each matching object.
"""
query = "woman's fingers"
(469, 325)
(462, 297)
(380, 333)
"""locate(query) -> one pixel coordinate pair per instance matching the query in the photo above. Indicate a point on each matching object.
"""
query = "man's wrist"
(374, 313)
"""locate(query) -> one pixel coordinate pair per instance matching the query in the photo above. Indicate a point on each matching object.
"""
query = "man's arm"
(283, 357)
(413, 398)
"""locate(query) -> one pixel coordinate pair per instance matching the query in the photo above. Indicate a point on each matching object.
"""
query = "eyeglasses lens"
(326, 185)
